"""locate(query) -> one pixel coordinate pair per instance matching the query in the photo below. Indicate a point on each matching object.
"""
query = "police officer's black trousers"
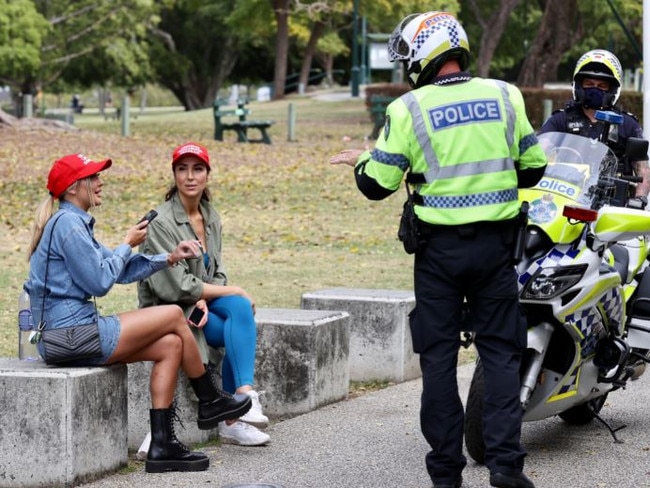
(474, 263)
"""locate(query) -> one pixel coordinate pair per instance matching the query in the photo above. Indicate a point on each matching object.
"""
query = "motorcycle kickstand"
(611, 430)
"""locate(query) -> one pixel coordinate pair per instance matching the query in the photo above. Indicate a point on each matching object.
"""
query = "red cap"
(192, 149)
(71, 168)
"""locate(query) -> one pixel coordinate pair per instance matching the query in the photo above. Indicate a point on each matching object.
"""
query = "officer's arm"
(380, 173)
(368, 185)
(642, 169)
(529, 177)
(530, 160)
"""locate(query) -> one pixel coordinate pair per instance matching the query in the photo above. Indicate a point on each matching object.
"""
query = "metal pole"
(28, 104)
(548, 109)
(355, 49)
(292, 123)
(627, 32)
(646, 63)
(125, 116)
(364, 51)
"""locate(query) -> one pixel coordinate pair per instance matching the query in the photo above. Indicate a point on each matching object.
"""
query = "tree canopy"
(195, 47)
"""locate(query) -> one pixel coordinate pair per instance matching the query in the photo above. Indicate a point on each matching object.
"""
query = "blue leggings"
(231, 325)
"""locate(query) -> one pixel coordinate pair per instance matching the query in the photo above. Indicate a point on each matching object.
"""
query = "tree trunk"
(281, 12)
(559, 29)
(316, 32)
(492, 32)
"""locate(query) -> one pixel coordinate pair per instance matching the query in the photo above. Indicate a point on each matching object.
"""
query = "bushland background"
(292, 222)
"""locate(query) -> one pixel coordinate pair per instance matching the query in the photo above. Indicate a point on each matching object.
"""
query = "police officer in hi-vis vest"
(467, 145)
(596, 86)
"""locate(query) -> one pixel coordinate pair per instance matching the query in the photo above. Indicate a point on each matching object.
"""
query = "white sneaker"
(242, 434)
(143, 450)
(254, 416)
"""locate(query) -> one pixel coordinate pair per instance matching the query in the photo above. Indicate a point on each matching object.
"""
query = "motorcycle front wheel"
(584, 413)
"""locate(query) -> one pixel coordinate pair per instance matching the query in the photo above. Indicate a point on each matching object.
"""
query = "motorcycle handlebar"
(632, 179)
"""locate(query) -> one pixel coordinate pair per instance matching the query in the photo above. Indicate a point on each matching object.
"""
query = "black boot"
(166, 452)
(215, 405)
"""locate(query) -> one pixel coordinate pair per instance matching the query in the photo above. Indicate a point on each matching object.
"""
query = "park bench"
(241, 125)
(63, 117)
(377, 108)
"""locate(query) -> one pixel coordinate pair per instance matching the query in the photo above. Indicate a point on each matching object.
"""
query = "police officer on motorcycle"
(467, 145)
(596, 86)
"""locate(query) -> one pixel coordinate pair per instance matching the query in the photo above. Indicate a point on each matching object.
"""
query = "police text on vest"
(464, 113)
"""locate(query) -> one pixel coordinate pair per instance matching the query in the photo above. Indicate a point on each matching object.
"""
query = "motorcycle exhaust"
(538, 340)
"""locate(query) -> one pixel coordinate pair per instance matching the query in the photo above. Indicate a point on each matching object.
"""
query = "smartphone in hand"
(196, 316)
(151, 214)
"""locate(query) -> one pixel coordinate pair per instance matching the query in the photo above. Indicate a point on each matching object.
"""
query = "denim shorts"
(109, 334)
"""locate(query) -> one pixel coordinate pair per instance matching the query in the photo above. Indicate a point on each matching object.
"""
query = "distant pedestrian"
(467, 146)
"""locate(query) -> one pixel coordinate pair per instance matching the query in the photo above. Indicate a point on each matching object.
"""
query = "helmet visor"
(398, 48)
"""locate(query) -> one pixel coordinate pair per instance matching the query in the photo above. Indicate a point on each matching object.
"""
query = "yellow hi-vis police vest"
(463, 139)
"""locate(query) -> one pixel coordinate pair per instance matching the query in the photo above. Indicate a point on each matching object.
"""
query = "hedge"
(630, 101)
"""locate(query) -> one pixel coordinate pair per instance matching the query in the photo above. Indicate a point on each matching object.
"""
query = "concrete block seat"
(302, 359)
(140, 403)
(60, 426)
(301, 364)
(381, 348)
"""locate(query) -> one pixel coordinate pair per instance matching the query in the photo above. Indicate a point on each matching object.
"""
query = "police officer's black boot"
(166, 452)
(215, 405)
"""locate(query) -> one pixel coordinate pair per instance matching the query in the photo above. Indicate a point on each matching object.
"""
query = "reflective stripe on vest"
(464, 201)
(434, 171)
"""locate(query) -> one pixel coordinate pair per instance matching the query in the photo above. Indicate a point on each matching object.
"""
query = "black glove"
(637, 202)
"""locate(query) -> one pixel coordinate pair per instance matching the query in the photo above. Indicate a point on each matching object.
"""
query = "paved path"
(374, 441)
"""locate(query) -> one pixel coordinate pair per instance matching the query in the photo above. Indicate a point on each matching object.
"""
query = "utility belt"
(467, 231)
(513, 231)
(414, 233)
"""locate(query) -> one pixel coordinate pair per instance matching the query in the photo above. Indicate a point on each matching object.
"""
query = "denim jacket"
(79, 268)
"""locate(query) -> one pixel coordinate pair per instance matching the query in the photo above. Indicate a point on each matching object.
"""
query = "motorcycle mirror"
(580, 213)
(636, 149)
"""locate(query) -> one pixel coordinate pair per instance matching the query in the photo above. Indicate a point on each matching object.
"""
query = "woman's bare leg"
(143, 327)
(166, 355)
(153, 334)
(159, 334)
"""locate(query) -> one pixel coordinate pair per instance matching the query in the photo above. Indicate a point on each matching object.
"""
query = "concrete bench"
(60, 426)
(301, 364)
(380, 336)
(302, 359)
(140, 403)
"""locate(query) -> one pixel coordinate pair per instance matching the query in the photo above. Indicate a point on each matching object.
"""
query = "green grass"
(292, 222)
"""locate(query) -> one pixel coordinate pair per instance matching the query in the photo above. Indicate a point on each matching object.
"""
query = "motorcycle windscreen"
(560, 186)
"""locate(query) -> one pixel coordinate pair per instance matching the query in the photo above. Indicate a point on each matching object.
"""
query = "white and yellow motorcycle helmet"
(424, 42)
(601, 65)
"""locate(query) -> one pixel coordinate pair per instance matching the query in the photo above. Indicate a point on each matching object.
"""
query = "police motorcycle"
(585, 300)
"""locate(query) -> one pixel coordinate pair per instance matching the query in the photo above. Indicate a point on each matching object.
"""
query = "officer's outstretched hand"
(347, 156)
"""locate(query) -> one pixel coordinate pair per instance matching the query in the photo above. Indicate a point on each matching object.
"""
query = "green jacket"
(182, 284)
